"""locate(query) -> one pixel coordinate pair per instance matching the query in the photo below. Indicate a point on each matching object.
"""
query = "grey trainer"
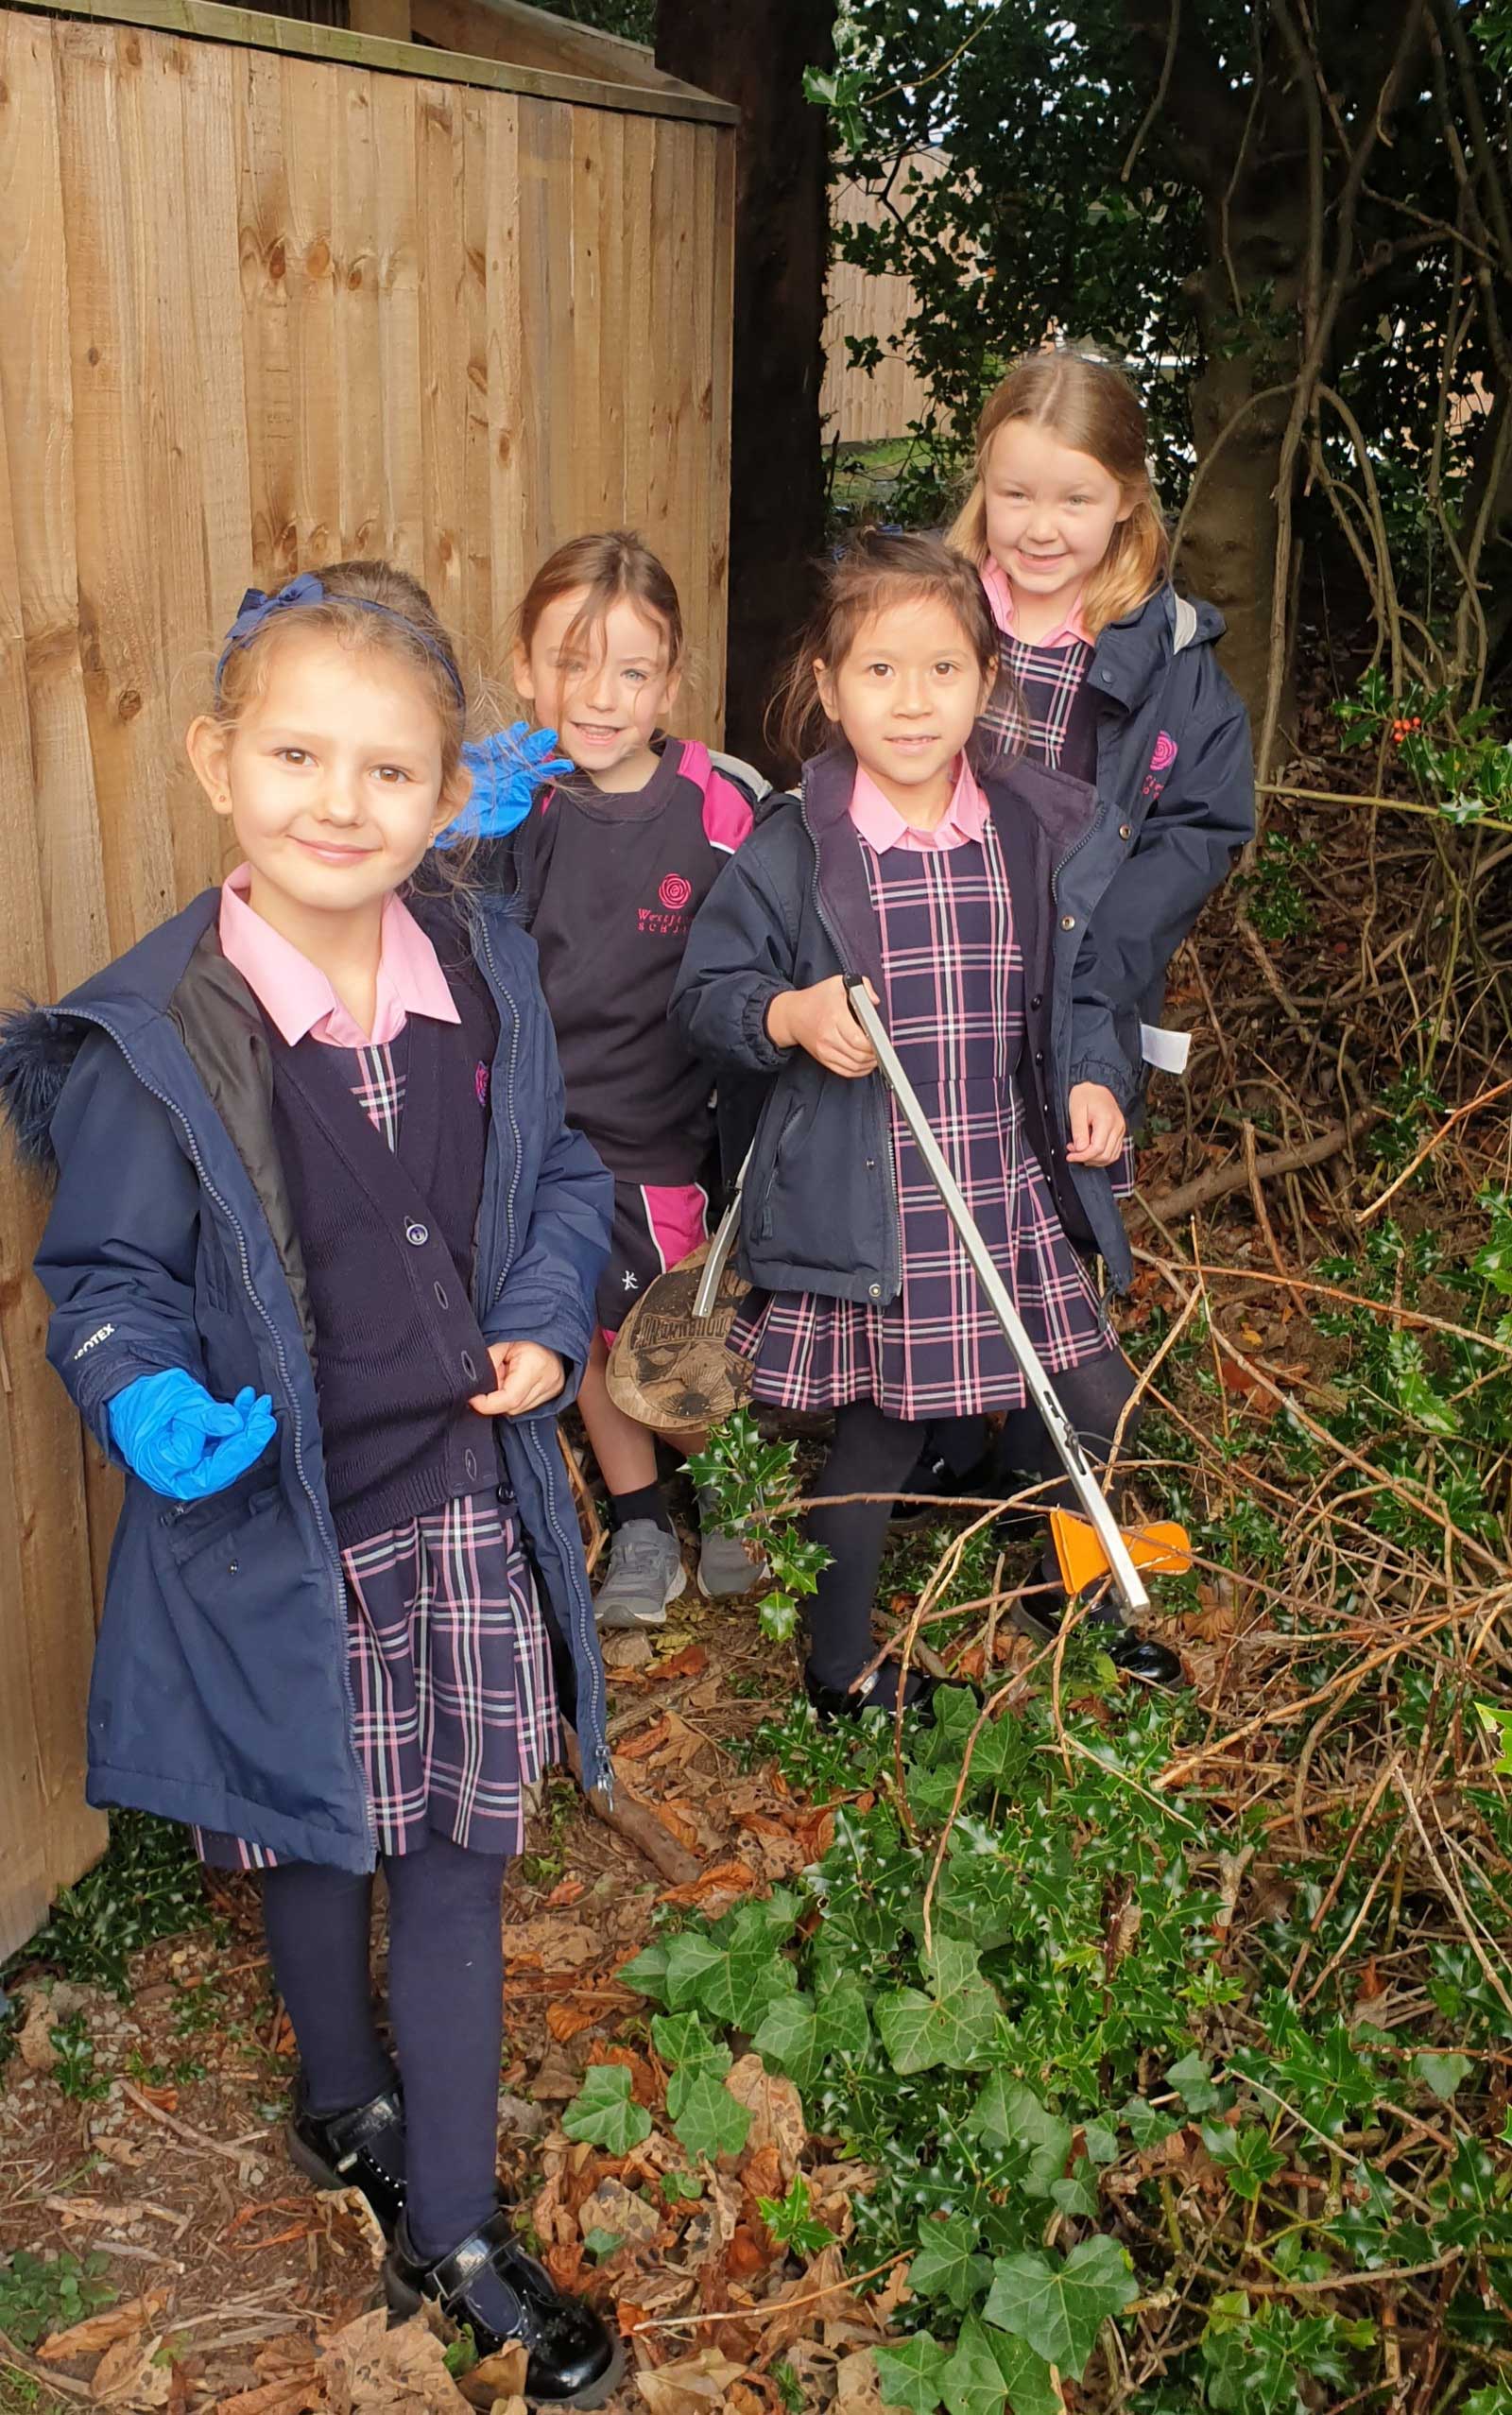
(726, 1568)
(645, 1572)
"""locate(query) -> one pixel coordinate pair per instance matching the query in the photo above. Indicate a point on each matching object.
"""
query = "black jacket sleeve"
(739, 957)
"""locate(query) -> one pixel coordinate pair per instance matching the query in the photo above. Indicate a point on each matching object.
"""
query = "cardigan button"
(417, 1234)
(1034, 1005)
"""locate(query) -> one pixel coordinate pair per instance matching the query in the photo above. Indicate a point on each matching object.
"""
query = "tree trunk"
(755, 55)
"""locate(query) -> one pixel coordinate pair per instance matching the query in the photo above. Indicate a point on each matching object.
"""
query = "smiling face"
(906, 695)
(331, 778)
(1050, 513)
(603, 690)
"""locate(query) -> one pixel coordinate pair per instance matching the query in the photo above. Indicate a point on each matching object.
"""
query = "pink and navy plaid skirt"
(953, 1002)
(454, 1701)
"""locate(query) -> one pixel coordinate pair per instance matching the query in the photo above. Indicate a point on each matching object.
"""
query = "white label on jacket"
(103, 1334)
(1166, 1050)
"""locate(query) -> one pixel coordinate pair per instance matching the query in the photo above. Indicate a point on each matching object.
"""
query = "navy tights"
(873, 1453)
(445, 2002)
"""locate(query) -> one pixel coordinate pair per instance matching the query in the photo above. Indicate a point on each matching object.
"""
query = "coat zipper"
(594, 1665)
(895, 1219)
(327, 1534)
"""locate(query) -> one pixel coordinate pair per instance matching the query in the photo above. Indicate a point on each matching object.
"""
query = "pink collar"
(298, 998)
(882, 826)
(1072, 629)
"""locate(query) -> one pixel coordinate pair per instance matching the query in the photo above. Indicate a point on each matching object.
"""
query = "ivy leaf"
(988, 2370)
(1007, 2114)
(913, 2373)
(1193, 2083)
(1059, 2306)
(948, 2265)
(683, 2043)
(1247, 2155)
(647, 1973)
(789, 2036)
(953, 2025)
(1101, 2141)
(1077, 2192)
(733, 1972)
(841, 2014)
(707, 2119)
(1145, 2125)
(1443, 2073)
(603, 2111)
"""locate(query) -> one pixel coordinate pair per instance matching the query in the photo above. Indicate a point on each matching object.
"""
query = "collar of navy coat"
(1132, 654)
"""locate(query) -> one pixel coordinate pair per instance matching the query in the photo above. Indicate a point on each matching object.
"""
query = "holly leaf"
(707, 2117)
(1059, 2305)
(603, 2111)
(988, 2371)
(947, 2265)
(954, 2025)
(913, 2373)
(1006, 2113)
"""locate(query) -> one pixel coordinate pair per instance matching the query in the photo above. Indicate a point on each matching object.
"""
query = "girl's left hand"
(528, 1374)
(1097, 1125)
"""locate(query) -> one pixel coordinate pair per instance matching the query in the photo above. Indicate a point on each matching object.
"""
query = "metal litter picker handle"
(1127, 1582)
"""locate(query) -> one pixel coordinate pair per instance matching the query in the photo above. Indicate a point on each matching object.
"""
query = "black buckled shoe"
(502, 2295)
(936, 1478)
(833, 1702)
(1139, 1656)
(362, 2149)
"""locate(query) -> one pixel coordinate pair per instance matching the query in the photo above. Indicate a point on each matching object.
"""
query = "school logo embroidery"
(669, 917)
(1165, 754)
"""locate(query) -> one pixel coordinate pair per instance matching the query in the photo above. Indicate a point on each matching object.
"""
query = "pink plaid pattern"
(455, 1703)
(1031, 711)
(953, 996)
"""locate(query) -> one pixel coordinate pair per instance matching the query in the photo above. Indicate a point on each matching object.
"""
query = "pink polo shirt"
(882, 826)
(297, 996)
(1072, 632)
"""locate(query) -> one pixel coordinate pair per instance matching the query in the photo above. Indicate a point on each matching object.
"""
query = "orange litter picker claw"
(1165, 1550)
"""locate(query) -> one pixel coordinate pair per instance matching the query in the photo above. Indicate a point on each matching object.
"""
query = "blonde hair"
(1093, 408)
(875, 571)
(404, 625)
(614, 566)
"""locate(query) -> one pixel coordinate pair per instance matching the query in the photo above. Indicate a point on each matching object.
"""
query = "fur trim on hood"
(38, 1045)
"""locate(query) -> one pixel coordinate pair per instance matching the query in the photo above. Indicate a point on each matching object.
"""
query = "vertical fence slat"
(258, 310)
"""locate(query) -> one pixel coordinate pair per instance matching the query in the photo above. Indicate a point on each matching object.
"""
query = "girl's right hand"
(819, 1019)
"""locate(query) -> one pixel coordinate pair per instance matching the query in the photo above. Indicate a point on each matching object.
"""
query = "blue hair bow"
(307, 589)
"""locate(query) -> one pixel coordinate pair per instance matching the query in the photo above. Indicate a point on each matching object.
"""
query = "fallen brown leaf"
(776, 2111)
(566, 2021)
(678, 1823)
(35, 2043)
(689, 2386)
(495, 2379)
(691, 1661)
(730, 1879)
(369, 2370)
(127, 2376)
(91, 2337)
(647, 1740)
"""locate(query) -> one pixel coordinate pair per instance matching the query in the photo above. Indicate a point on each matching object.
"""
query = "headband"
(256, 608)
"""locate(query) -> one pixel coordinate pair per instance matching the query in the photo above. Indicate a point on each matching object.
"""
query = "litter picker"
(1090, 1546)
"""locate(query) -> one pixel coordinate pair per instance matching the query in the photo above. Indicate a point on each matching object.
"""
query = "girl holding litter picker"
(894, 864)
(321, 1259)
(610, 864)
(1106, 674)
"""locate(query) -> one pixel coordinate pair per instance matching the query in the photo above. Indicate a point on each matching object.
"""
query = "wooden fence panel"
(261, 311)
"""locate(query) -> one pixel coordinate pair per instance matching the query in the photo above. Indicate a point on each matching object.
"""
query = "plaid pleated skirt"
(454, 1700)
(954, 998)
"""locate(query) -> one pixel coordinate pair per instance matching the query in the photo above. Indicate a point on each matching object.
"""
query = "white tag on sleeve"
(1166, 1050)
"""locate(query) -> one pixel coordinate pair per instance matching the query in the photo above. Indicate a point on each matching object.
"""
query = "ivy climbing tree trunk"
(755, 55)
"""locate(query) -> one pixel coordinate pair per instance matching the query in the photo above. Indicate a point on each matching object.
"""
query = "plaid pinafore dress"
(954, 1000)
(454, 1701)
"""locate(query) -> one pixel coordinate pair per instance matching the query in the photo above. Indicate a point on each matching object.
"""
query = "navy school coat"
(819, 1206)
(220, 1692)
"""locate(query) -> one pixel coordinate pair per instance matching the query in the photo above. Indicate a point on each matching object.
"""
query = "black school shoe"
(936, 1477)
(1139, 1656)
(361, 2148)
(503, 2295)
(833, 1702)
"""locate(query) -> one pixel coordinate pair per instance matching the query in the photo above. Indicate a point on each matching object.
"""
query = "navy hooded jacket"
(219, 1693)
(1176, 784)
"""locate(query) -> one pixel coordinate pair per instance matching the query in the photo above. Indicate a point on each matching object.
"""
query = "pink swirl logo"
(675, 892)
(1166, 752)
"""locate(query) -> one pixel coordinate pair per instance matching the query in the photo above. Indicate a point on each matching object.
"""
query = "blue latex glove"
(508, 767)
(177, 1438)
